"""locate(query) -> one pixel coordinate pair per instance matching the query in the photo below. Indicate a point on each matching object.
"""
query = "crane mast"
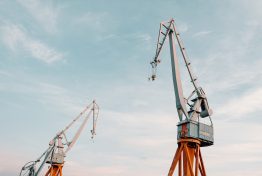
(192, 132)
(59, 146)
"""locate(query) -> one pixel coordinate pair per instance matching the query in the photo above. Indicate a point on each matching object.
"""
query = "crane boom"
(72, 143)
(180, 100)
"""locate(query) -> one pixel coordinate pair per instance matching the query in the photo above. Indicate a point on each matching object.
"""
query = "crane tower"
(192, 132)
(60, 145)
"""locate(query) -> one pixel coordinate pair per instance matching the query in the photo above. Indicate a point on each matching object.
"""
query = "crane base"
(189, 159)
(55, 170)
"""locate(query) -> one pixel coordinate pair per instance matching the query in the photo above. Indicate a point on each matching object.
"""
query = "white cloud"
(77, 169)
(99, 25)
(243, 105)
(182, 27)
(230, 63)
(145, 37)
(95, 21)
(4, 73)
(43, 12)
(58, 97)
(9, 163)
(55, 96)
(201, 33)
(238, 145)
(252, 9)
(16, 39)
(232, 77)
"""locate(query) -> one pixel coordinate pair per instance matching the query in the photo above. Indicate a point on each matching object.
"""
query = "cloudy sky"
(57, 56)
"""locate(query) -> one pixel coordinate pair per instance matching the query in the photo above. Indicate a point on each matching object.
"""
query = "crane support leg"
(189, 159)
(55, 170)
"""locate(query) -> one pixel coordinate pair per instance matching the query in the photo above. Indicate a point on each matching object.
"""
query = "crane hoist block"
(196, 130)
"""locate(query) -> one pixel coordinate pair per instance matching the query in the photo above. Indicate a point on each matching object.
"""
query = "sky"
(57, 56)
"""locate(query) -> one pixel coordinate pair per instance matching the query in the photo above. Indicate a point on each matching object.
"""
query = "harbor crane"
(193, 131)
(60, 145)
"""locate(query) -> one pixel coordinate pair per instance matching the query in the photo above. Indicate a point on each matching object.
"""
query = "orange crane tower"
(193, 131)
(59, 146)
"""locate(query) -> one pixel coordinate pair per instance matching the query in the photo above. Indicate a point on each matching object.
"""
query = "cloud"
(252, 9)
(145, 37)
(15, 38)
(43, 12)
(9, 165)
(55, 96)
(58, 97)
(182, 27)
(77, 169)
(100, 25)
(99, 22)
(243, 105)
(238, 145)
(231, 77)
(232, 61)
(201, 33)
(91, 18)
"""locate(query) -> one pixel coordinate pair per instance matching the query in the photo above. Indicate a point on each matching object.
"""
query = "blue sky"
(56, 56)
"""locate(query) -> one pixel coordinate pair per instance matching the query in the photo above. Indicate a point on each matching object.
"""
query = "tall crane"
(60, 145)
(193, 131)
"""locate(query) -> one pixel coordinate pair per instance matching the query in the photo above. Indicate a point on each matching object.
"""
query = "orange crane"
(59, 146)
(195, 127)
